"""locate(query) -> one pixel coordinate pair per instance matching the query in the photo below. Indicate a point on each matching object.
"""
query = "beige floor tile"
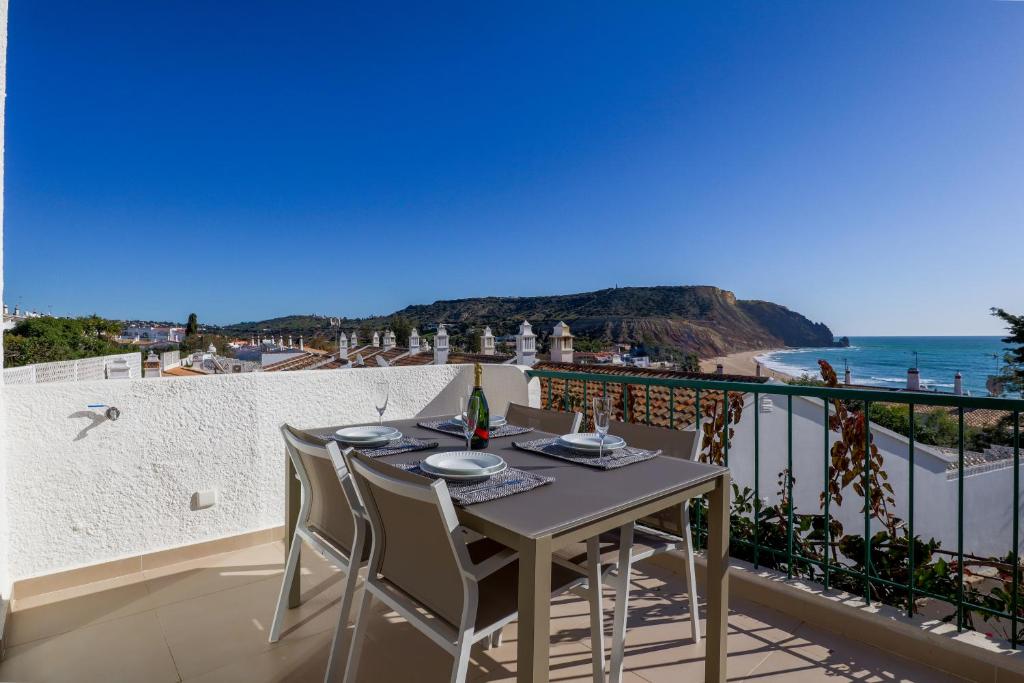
(49, 615)
(294, 660)
(215, 630)
(204, 576)
(817, 655)
(131, 648)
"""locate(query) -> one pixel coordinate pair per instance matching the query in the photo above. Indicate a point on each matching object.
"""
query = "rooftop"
(206, 620)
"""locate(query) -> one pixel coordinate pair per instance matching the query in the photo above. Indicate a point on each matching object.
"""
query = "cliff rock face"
(699, 319)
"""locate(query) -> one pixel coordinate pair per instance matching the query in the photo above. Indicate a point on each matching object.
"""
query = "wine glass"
(602, 418)
(381, 393)
(469, 419)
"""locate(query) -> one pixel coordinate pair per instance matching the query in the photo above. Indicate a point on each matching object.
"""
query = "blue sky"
(859, 162)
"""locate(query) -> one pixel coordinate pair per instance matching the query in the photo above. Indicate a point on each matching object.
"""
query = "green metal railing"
(876, 570)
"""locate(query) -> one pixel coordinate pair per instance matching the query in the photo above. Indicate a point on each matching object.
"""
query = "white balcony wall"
(84, 490)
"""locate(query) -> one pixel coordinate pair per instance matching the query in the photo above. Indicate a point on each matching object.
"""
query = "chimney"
(958, 384)
(913, 380)
(151, 366)
(301, 346)
(414, 342)
(441, 346)
(342, 346)
(353, 341)
(389, 340)
(526, 345)
(719, 369)
(487, 342)
(847, 377)
(561, 344)
(376, 341)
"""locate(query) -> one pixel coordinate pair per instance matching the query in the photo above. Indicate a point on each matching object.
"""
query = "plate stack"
(590, 443)
(369, 436)
(463, 466)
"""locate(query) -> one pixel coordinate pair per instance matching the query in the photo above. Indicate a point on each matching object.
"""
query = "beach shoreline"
(743, 363)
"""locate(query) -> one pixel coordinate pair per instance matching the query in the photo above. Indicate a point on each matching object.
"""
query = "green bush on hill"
(44, 340)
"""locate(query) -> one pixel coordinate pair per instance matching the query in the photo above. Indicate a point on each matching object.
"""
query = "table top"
(579, 495)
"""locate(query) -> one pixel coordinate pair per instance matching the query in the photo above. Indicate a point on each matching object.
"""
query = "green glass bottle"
(482, 434)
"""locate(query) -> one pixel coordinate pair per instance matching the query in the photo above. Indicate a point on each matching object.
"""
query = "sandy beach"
(741, 363)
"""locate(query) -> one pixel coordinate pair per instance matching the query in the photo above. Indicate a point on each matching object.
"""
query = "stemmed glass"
(602, 418)
(381, 393)
(469, 419)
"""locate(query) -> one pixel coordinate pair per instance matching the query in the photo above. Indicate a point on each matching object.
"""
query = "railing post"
(757, 479)
(725, 428)
(910, 517)
(789, 487)
(866, 483)
(828, 499)
(960, 523)
(1015, 595)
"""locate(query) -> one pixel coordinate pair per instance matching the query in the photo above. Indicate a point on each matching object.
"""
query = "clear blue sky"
(859, 162)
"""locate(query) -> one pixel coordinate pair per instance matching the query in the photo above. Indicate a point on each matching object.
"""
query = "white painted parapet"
(84, 490)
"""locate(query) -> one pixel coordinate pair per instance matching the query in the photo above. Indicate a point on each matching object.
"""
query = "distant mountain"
(700, 319)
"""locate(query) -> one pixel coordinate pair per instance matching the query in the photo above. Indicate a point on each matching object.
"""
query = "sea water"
(883, 361)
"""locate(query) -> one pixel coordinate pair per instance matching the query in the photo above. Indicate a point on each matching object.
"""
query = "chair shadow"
(96, 418)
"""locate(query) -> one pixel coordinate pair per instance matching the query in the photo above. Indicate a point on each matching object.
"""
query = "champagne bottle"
(482, 435)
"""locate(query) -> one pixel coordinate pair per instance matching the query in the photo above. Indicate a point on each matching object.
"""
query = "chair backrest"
(551, 421)
(672, 442)
(332, 502)
(414, 535)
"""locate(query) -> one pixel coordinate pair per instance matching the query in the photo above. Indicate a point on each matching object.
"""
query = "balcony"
(117, 575)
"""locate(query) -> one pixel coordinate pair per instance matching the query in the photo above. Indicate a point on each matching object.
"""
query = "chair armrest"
(494, 563)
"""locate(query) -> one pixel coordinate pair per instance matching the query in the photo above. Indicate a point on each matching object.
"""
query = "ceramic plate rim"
(389, 435)
(499, 466)
(613, 442)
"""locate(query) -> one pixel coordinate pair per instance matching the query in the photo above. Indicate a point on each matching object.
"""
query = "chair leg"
(495, 639)
(290, 567)
(334, 662)
(355, 648)
(596, 607)
(691, 574)
(460, 667)
(621, 602)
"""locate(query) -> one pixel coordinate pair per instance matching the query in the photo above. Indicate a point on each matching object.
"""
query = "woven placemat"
(449, 427)
(406, 444)
(507, 483)
(610, 461)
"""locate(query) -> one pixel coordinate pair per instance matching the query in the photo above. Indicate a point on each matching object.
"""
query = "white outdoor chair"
(454, 591)
(665, 531)
(331, 520)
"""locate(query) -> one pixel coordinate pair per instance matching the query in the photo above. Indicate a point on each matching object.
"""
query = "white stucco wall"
(988, 496)
(4, 539)
(85, 490)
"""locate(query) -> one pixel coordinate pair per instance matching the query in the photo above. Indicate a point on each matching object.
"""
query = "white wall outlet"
(204, 499)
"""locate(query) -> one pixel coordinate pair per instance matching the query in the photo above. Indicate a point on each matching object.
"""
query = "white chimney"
(441, 346)
(958, 384)
(353, 341)
(414, 342)
(719, 369)
(561, 344)
(376, 340)
(526, 345)
(151, 366)
(342, 346)
(847, 377)
(389, 340)
(487, 342)
(301, 346)
(290, 341)
(913, 380)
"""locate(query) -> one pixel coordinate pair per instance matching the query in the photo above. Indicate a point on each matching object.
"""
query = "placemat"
(449, 427)
(610, 461)
(507, 483)
(406, 444)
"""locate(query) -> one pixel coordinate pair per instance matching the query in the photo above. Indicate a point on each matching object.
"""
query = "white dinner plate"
(368, 434)
(461, 465)
(496, 421)
(589, 442)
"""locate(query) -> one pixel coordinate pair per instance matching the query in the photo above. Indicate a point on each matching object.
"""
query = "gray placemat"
(449, 427)
(406, 444)
(507, 483)
(609, 461)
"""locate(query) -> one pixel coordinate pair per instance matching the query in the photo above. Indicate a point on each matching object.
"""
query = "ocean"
(883, 361)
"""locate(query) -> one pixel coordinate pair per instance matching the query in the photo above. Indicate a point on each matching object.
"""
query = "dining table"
(581, 502)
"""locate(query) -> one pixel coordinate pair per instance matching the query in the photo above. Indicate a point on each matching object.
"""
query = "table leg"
(293, 501)
(718, 581)
(534, 611)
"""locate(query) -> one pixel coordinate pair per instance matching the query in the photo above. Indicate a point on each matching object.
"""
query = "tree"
(1014, 356)
(402, 328)
(47, 339)
(192, 327)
